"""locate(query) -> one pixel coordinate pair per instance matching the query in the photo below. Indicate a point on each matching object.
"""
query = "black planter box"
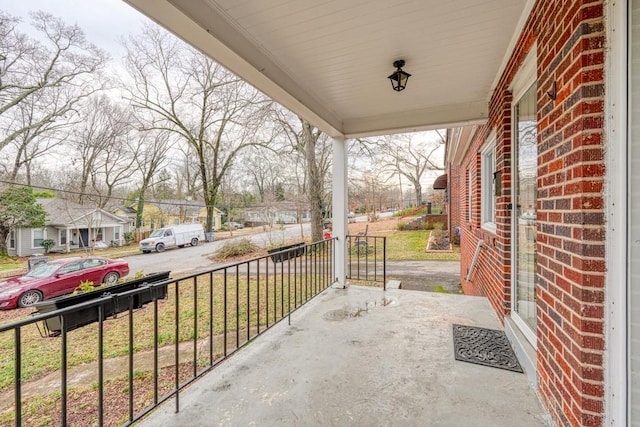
(283, 253)
(117, 305)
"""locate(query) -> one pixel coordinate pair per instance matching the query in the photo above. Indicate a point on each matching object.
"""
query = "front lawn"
(411, 245)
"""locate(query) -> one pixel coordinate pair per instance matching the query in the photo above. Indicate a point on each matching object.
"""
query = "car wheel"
(160, 247)
(194, 242)
(111, 278)
(30, 298)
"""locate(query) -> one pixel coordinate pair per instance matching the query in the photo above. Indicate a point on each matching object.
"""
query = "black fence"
(366, 259)
(185, 328)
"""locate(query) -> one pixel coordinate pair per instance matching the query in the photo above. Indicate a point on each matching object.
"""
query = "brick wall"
(570, 40)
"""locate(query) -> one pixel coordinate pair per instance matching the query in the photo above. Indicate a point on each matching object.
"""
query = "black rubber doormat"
(488, 347)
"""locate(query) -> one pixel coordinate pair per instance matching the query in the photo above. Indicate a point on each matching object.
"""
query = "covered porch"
(546, 80)
(361, 357)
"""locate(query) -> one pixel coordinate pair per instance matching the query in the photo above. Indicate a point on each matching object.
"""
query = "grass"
(410, 246)
(42, 355)
(11, 265)
(405, 246)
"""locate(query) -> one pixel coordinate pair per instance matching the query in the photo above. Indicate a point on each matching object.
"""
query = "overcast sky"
(103, 21)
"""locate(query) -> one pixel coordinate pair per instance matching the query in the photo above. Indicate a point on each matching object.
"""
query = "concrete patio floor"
(361, 357)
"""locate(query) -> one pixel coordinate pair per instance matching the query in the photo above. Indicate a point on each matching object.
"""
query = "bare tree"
(103, 152)
(266, 171)
(405, 156)
(152, 155)
(39, 138)
(187, 175)
(209, 108)
(50, 77)
(313, 145)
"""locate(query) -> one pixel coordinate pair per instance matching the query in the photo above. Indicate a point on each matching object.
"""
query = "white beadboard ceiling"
(328, 61)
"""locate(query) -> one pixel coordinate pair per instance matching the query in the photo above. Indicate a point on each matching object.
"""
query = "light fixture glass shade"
(399, 77)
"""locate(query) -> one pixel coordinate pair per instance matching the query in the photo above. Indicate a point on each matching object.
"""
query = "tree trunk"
(314, 184)
(140, 210)
(4, 235)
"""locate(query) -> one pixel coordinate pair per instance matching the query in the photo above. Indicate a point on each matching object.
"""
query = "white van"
(174, 235)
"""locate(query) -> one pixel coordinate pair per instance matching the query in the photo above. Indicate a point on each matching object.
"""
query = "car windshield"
(157, 233)
(42, 270)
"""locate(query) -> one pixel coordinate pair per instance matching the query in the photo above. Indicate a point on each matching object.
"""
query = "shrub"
(401, 225)
(438, 226)
(84, 286)
(238, 248)
(47, 244)
(128, 236)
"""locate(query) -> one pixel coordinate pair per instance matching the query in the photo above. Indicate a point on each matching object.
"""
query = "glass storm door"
(525, 172)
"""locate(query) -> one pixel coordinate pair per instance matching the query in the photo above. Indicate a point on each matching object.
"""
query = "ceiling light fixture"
(399, 77)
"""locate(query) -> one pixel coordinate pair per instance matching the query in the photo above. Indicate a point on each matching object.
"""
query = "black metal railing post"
(18, 376)
(100, 365)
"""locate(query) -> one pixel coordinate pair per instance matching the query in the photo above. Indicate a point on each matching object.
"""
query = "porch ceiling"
(328, 61)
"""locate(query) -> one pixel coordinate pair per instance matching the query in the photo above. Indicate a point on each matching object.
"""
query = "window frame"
(62, 237)
(12, 239)
(33, 237)
(488, 196)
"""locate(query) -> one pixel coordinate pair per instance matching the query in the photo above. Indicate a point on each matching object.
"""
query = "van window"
(168, 233)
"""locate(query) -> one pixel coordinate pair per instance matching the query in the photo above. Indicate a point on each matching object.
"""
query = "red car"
(59, 277)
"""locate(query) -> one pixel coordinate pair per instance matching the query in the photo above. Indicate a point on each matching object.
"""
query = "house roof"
(190, 208)
(328, 61)
(126, 209)
(68, 214)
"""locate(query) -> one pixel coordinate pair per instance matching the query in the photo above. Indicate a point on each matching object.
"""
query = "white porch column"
(339, 210)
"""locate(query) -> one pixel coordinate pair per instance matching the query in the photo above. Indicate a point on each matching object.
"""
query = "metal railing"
(185, 328)
(366, 258)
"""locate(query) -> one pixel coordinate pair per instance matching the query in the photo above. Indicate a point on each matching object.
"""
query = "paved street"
(188, 259)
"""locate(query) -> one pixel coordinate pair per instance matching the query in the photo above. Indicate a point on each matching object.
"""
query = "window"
(12, 239)
(70, 268)
(62, 237)
(93, 262)
(488, 188)
(38, 235)
(116, 235)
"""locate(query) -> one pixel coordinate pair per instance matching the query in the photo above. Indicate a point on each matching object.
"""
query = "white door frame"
(524, 78)
(615, 194)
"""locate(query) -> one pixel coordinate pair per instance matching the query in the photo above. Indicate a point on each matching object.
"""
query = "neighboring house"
(160, 213)
(71, 226)
(126, 212)
(217, 217)
(277, 213)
